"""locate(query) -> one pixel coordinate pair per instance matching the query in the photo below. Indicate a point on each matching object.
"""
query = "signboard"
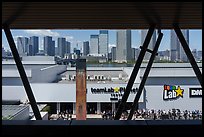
(195, 92)
(116, 93)
(172, 92)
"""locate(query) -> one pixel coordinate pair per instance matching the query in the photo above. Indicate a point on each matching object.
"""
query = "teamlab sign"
(172, 92)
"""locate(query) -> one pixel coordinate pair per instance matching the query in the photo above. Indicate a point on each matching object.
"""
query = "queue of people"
(64, 116)
(152, 114)
(172, 114)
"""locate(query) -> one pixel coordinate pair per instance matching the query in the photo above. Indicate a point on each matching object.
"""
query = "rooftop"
(9, 111)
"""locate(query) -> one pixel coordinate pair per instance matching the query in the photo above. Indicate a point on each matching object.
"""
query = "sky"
(76, 37)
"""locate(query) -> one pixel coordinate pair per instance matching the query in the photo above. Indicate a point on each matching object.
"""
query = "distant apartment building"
(94, 41)
(123, 47)
(68, 47)
(34, 45)
(22, 46)
(86, 48)
(113, 53)
(61, 44)
(49, 46)
(103, 42)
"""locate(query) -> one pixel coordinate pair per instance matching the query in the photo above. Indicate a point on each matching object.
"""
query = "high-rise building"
(61, 43)
(103, 42)
(68, 47)
(113, 53)
(123, 47)
(34, 42)
(110, 56)
(94, 41)
(151, 44)
(22, 45)
(53, 49)
(30, 50)
(176, 50)
(85, 48)
(49, 46)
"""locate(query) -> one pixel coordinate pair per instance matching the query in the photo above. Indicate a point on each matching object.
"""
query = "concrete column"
(98, 107)
(81, 89)
(58, 107)
(74, 108)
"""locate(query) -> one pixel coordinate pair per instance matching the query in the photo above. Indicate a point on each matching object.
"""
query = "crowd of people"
(64, 116)
(147, 114)
(152, 114)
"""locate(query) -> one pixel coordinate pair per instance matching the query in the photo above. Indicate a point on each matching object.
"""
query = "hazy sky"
(78, 36)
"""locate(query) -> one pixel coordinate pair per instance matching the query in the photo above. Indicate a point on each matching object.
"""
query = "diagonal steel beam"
(22, 73)
(188, 52)
(146, 73)
(134, 72)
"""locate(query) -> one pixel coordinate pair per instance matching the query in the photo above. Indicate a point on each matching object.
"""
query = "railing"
(102, 127)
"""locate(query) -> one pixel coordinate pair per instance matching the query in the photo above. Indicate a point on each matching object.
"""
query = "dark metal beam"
(146, 73)
(134, 72)
(188, 52)
(22, 73)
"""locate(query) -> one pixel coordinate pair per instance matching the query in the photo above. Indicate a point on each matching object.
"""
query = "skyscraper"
(123, 48)
(94, 41)
(61, 43)
(103, 42)
(176, 50)
(113, 53)
(49, 46)
(22, 45)
(85, 48)
(68, 47)
(34, 42)
(151, 44)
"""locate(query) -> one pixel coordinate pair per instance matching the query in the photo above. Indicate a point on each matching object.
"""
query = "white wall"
(55, 92)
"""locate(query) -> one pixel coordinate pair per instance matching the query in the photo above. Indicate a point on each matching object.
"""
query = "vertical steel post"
(81, 89)
(22, 73)
(188, 52)
(146, 73)
(134, 72)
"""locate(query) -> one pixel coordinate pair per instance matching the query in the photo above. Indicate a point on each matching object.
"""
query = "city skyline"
(77, 37)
